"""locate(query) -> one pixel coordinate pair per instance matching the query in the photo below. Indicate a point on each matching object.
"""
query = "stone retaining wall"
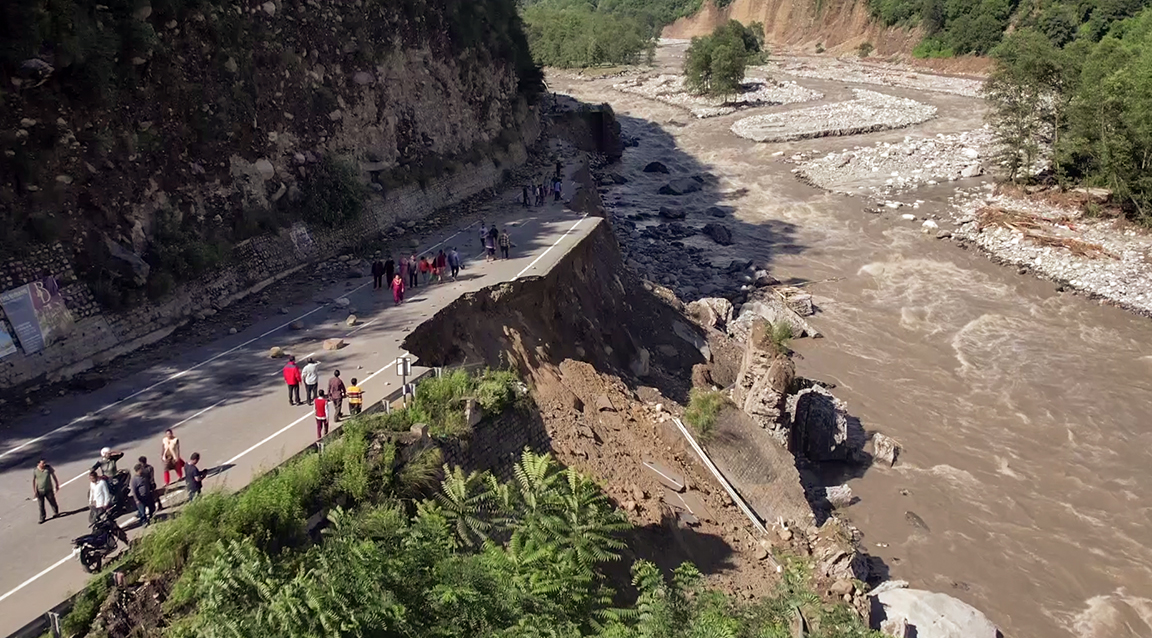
(100, 336)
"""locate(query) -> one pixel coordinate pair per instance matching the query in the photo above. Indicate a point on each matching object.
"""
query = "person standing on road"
(44, 487)
(194, 477)
(336, 393)
(377, 275)
(149, 474)
(355, 399)
(413, 271)
(527, 201)
(454, 262)
(321, 416)
(558, 189)
(505, 243)
(559, 167)
(441, 265)
(311, 378)
(389, 271)
(403, 271)
(142, 494)
(170, 457)
(99, 498)
(292, 378)
(398, 289)
(425, 269)
(483, 234)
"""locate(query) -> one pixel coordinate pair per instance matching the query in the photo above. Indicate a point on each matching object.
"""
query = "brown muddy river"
(1025, 414)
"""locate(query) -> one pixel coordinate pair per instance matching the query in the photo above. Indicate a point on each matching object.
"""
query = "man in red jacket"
(292, 378)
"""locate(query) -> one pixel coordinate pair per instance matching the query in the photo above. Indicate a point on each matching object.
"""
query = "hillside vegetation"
(584, 33)
(1083, 102)
(956, 27)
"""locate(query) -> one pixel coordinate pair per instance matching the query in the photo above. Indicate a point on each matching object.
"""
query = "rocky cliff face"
(838, 25)
(175, 129)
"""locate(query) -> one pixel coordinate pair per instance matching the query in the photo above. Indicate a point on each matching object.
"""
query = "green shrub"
(715, 64)
(780, 335)
(703, 408)
(333, 193)
(931, 47)
(864, 50)
(86, 606)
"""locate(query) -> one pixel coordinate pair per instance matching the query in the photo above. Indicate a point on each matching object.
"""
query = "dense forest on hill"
(957, 27)
(1084, 103)
(583, 33)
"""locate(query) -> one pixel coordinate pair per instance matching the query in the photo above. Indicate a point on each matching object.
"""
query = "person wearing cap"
(106, 466)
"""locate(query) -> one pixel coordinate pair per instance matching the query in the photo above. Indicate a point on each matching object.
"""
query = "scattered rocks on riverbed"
(670, 89)
(849, 71)
(870, 111)
(887, 169)
(1106, 257)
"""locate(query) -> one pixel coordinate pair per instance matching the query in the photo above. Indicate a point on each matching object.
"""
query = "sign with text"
(301, 239)
(37, 313)
(7, 345)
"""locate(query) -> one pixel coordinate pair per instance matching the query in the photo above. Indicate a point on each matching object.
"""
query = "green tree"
(715, 64)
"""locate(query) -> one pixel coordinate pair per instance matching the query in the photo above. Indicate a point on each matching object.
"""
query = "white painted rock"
(933, 615)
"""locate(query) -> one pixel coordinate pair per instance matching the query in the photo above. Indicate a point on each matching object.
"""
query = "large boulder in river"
(930, 614)
(822, 429)
(681, 186)
(668, 213)
(719, 233)
(656, 167)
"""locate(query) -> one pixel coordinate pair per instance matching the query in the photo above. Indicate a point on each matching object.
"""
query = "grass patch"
(86, 606)
(703, 408)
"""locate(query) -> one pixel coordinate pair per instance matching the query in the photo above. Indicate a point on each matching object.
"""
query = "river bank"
(989, 379)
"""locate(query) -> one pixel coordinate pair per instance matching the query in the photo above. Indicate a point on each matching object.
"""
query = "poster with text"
(37, 313)
(7, 345)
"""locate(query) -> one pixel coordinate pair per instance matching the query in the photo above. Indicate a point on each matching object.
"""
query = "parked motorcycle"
(101, 542)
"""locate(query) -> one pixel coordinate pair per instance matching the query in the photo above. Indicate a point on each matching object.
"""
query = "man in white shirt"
(311, 374)
(99, 498)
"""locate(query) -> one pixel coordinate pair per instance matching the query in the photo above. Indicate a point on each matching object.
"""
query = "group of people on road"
(492, 238)
(412, 272)
(324, 403)
(105, 481)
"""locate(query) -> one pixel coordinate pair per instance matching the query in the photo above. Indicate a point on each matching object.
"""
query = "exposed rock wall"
(840, 25)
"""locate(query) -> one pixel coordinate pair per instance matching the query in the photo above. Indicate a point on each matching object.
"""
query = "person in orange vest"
(355, 398)
(321, 405)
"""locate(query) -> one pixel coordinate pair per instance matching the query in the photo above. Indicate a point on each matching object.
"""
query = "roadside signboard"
(37, 313)
(7, 345)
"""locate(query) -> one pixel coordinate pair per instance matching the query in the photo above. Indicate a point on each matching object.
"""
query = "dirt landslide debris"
(895, 75)
(870, 111)
(886, 169)
(670, 89)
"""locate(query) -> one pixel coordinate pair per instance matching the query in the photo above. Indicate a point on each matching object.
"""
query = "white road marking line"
(549, 249)
(40, 575)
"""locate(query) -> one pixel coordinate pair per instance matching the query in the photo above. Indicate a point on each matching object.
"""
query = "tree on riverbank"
(715, 63)
(1089, 102)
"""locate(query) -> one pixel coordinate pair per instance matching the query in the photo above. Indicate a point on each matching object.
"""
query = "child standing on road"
(194, 480)
(398, 289)
(355, 399)
(321, 405)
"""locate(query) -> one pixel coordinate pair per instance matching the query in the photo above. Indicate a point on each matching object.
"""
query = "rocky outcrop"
(711, 312)
(929, 615)
(835, 553)
(761, 388)
(765, 304)
(822, 429)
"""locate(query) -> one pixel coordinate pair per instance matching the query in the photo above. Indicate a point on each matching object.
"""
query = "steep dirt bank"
(839, 26)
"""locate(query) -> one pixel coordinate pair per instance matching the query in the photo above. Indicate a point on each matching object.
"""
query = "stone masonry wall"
(101, 336)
